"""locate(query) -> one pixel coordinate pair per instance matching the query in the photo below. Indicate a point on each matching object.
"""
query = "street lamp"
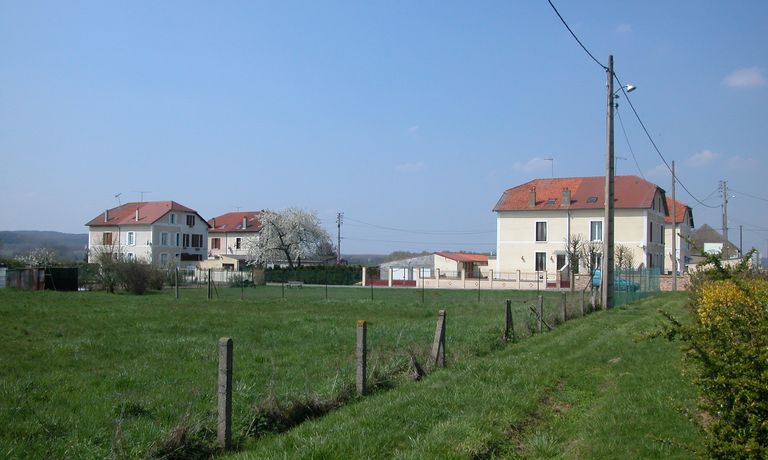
(608, 256)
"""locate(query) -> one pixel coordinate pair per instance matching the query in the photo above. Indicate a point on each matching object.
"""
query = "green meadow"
(96, 375)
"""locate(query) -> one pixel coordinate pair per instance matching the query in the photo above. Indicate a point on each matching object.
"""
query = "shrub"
(728, 343)
(135, 276)
(156, 278)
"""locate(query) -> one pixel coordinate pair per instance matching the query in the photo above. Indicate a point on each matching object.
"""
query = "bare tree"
(289, 235)
(590, 253)
(108, 258)
(624, 257)
(573, 250)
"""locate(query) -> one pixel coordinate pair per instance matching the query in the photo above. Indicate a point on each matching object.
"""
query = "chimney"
(106, 216)
(214, 222)
(532, 198)
(566, 201)
(245, 222)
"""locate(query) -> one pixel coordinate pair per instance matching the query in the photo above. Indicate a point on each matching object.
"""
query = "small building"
(707, 239)
(159, 232)
(447, 264)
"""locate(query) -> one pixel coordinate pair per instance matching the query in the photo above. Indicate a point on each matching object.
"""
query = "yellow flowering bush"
(726, 299)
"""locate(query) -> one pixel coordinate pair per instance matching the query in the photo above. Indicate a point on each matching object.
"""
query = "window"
(191, 220)
(592, 199)
(163, 259)
(215, 243)
(238, 243)
(186, 240)
(541, 231)
(164, 239)
(597, 261)
(172, 218)
(596, 230)
(177, 239)
(541, 261)
(131, 238)
(552, 201)
(650, 232)
(106, 239)
(130, 256)
(197, 241)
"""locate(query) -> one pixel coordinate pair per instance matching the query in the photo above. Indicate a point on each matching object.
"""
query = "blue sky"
(413, 116)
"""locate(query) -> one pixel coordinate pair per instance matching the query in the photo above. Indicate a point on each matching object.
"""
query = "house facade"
(681, 230)
(159, 232)
(536, 219)
(228, 235)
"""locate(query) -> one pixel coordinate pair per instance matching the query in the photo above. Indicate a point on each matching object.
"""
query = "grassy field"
(92, 375)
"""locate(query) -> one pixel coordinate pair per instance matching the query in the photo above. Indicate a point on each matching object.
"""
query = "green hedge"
(342, 275)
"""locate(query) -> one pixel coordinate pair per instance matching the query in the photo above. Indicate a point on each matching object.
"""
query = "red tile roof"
(680, 209)
(630, 192)
(464, 257)
(233, 222)
(149, 212)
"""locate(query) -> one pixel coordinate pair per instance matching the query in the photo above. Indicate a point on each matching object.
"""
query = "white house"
(227, 238)
(535, 219)
(681, 230)
(447, 264)
(159, 232)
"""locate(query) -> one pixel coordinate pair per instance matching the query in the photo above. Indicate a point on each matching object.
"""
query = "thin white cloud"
(624, 28)
(410, 168)
(533, 165)
(659, 172)
(702, 159)
(413, 129)
(751, 77)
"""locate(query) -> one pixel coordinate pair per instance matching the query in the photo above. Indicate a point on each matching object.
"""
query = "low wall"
(665, 282)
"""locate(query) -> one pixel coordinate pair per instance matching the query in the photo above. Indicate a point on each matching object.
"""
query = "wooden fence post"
(224, 432)
(438, 346)
(509, 324)
(361, 352)
(541, 312)
(564, 307)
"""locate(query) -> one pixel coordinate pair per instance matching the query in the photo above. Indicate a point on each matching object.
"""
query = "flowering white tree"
(288, 235)
(39, 257)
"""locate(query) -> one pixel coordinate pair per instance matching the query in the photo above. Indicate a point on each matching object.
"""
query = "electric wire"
(575, 37)
(417, 242)
(653, 143)
(421, 232)
(621, 123)
(748, 195)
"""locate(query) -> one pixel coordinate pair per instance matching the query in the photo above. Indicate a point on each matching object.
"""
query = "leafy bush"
(156, 278)
(728, 342)
(135, 276)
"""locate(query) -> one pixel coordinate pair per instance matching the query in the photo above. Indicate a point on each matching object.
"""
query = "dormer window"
(552, 201)
(592, 199)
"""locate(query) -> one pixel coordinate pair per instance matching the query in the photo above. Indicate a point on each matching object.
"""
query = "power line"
(419, 242)
(621, 123)
(653, 143)
(575, 37)
(747, 194)
(422, 232)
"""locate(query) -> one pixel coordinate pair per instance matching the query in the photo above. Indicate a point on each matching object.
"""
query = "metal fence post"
(509, 325)
(564, 307)
(541, 312)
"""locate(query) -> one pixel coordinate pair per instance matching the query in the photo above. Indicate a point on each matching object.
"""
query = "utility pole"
(724, 187)
(607, 271)
(741, 241)
(339, 221)
(674, 232)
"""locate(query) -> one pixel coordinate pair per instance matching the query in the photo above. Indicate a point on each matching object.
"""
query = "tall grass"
(95, 375)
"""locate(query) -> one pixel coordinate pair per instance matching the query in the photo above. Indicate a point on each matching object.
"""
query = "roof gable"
(463, 256)
(681, 209)
(630, 192)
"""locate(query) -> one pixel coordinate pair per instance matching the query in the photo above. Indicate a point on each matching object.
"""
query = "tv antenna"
(118, 199)
(141, 194)
(237, 208)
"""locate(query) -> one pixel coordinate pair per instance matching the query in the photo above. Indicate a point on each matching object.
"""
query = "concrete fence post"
(518, 280)
(361, 353)
(541, 312)
(490, 278)
(437, 276)
(438, 346)
(564, 306)
(463, 278)
(391, 274)
(365, 275)
(224, 432)
(509, 325)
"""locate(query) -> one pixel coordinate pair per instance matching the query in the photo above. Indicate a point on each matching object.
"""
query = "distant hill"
(68, 246)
